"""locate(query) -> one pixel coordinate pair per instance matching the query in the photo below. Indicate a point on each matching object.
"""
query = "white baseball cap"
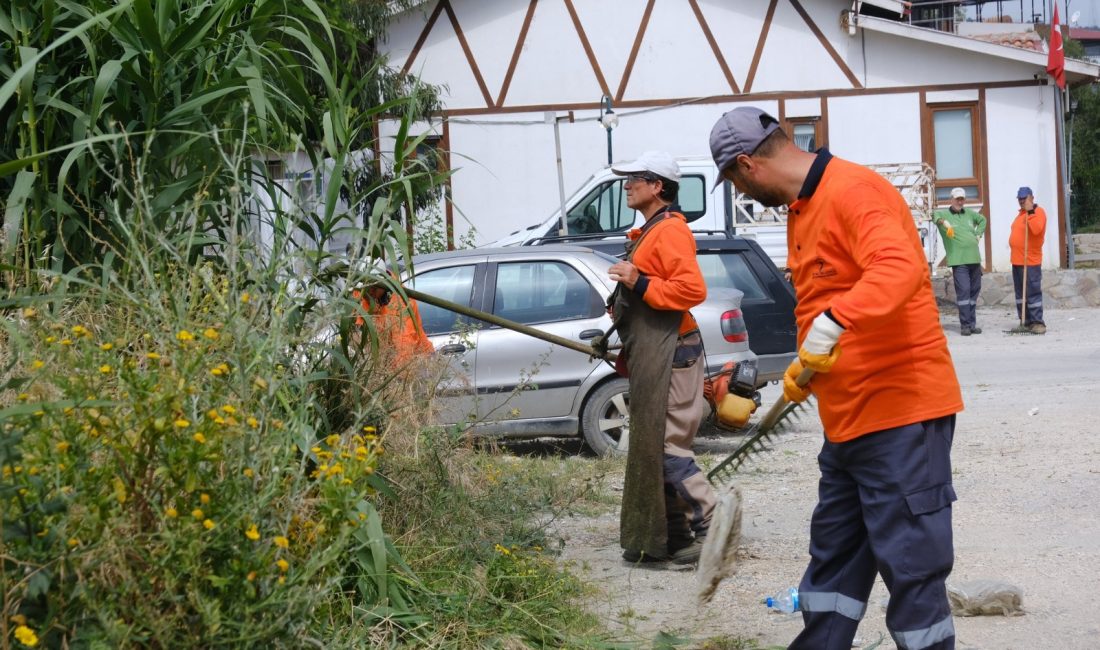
(654, 162)
(958, 193)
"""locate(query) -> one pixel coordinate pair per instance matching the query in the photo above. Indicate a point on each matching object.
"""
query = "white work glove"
(819, 351)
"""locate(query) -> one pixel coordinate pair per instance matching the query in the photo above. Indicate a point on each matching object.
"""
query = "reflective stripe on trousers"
(926, 638)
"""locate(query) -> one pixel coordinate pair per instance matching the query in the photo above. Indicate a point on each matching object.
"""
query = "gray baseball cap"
(737, 132)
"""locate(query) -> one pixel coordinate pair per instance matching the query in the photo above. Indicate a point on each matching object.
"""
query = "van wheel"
(605, 422)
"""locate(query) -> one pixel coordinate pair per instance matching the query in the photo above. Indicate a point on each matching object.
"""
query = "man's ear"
(744, 163)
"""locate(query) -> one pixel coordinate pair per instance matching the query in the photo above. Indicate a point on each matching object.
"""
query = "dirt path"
(1027, 471)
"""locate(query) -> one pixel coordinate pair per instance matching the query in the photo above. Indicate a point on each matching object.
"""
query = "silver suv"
(512, 385)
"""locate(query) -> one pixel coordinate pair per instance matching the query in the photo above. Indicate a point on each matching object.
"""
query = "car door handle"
(590, 334)
(452, 348)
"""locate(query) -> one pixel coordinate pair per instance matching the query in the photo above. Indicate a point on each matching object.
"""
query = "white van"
(599, 206)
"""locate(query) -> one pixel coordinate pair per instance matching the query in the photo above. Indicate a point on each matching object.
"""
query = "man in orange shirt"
(658, 283)
(1027, 260)
(397, 323)
(886, 386)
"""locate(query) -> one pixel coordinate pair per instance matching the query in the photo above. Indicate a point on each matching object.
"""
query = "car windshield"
(730, 271)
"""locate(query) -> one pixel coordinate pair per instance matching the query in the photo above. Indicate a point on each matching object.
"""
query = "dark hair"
(771, 144)
(670, 190)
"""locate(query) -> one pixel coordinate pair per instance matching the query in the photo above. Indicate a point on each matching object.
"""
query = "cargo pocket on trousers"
(929, 547)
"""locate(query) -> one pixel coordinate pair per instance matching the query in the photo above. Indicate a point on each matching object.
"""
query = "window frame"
(818, 124)
(976, 181)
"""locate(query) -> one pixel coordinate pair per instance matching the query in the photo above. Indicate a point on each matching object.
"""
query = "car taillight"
(733, 327)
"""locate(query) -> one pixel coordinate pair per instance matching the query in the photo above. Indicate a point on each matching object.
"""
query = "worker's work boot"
(689, 554)
(1038, 328)
(975, 330)
(965, 331)
(640, 557)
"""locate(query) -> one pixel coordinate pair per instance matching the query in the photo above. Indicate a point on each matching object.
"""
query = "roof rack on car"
(565, 239)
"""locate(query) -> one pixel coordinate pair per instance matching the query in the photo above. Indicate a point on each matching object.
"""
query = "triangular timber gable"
(556, 61)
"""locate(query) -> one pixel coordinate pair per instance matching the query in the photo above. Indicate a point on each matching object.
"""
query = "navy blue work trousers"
(884, 505)
(968, 284)
(1034, 292)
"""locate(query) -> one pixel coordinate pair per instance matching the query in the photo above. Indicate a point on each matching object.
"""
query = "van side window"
(603, 209)
(693, 197)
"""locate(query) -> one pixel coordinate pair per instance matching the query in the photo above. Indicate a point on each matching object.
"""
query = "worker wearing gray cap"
(887, 394)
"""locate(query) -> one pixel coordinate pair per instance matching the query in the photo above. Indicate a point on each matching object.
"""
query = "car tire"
(605, 421)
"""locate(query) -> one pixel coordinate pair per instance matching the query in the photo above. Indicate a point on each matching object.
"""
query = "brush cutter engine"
(732, 393)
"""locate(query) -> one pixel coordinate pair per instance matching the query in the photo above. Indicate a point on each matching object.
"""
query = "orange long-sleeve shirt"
(666, 257)
(853, 248)
(1036, 233)
(398, 326)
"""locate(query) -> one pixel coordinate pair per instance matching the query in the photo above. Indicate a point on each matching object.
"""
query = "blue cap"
(1023, 192)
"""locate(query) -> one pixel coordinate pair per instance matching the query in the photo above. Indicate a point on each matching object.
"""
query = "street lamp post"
(609, 120)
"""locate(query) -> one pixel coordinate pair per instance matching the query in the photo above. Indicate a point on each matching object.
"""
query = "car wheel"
(605, 422)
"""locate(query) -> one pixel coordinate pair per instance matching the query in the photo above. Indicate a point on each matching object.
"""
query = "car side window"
(603, 209)
(729, 270)
(692, 198)
(454, 283)
(543, 292)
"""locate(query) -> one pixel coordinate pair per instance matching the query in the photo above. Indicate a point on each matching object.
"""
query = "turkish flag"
(1056, 58)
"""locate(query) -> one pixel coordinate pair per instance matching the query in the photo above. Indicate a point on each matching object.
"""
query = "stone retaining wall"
(1062, 288)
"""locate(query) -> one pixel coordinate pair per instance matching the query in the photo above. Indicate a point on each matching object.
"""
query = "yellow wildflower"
(282, 542)
(260, 382)
(73, 542)
(37, 363)
(51, 339)
(171, 513)
(26, 636)
(229, 410)
(368, 429)
(502, 550)
(66, 341)
(283, 565)
(199, 438)
(152, 355)
(22, 397)
(210, 333)
(29, 312)
(332, 440)
(245, 297)
(182, 423)
(248, 472)
(253, 422)
(120, 490)
(19, 619)
(184, 335)
(105, 369)
(62, 446)
(217, 372)
(197, 513)
(208, 524)
(204, 499)
(252, 533)
(251, 576)
(106, 346)
(80, 330)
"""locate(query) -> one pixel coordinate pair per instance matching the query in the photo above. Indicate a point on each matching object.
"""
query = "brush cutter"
(719, 556)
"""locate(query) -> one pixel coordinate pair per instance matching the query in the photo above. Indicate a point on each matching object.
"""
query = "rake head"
(758, 439)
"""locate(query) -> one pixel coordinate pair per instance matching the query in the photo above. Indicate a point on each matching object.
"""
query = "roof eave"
(1077, 72)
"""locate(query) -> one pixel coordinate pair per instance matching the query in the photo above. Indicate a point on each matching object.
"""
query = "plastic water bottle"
(785, 601)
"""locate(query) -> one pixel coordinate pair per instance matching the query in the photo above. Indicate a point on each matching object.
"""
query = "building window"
(805, 132)
(953, 150)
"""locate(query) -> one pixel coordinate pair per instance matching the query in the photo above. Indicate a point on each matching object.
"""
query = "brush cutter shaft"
(507, 324)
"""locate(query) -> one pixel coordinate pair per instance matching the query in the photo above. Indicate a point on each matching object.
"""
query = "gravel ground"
(1027, 471)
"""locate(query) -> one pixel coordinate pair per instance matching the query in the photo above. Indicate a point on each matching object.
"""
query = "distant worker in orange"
(1027, 260)
(886, 386)
(397, 322)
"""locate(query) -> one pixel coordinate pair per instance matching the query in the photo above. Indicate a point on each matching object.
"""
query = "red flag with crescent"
(1056, 58)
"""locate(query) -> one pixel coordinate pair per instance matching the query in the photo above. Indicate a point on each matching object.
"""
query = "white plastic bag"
(985, 598)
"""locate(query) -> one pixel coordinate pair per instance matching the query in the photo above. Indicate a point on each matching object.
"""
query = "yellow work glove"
(950, 232)
(819, 351)
(792, 392)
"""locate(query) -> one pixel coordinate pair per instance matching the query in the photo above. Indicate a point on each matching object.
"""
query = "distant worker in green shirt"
(961, 229)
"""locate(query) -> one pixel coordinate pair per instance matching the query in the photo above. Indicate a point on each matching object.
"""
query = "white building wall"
(871, 129)
(1021, 156)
